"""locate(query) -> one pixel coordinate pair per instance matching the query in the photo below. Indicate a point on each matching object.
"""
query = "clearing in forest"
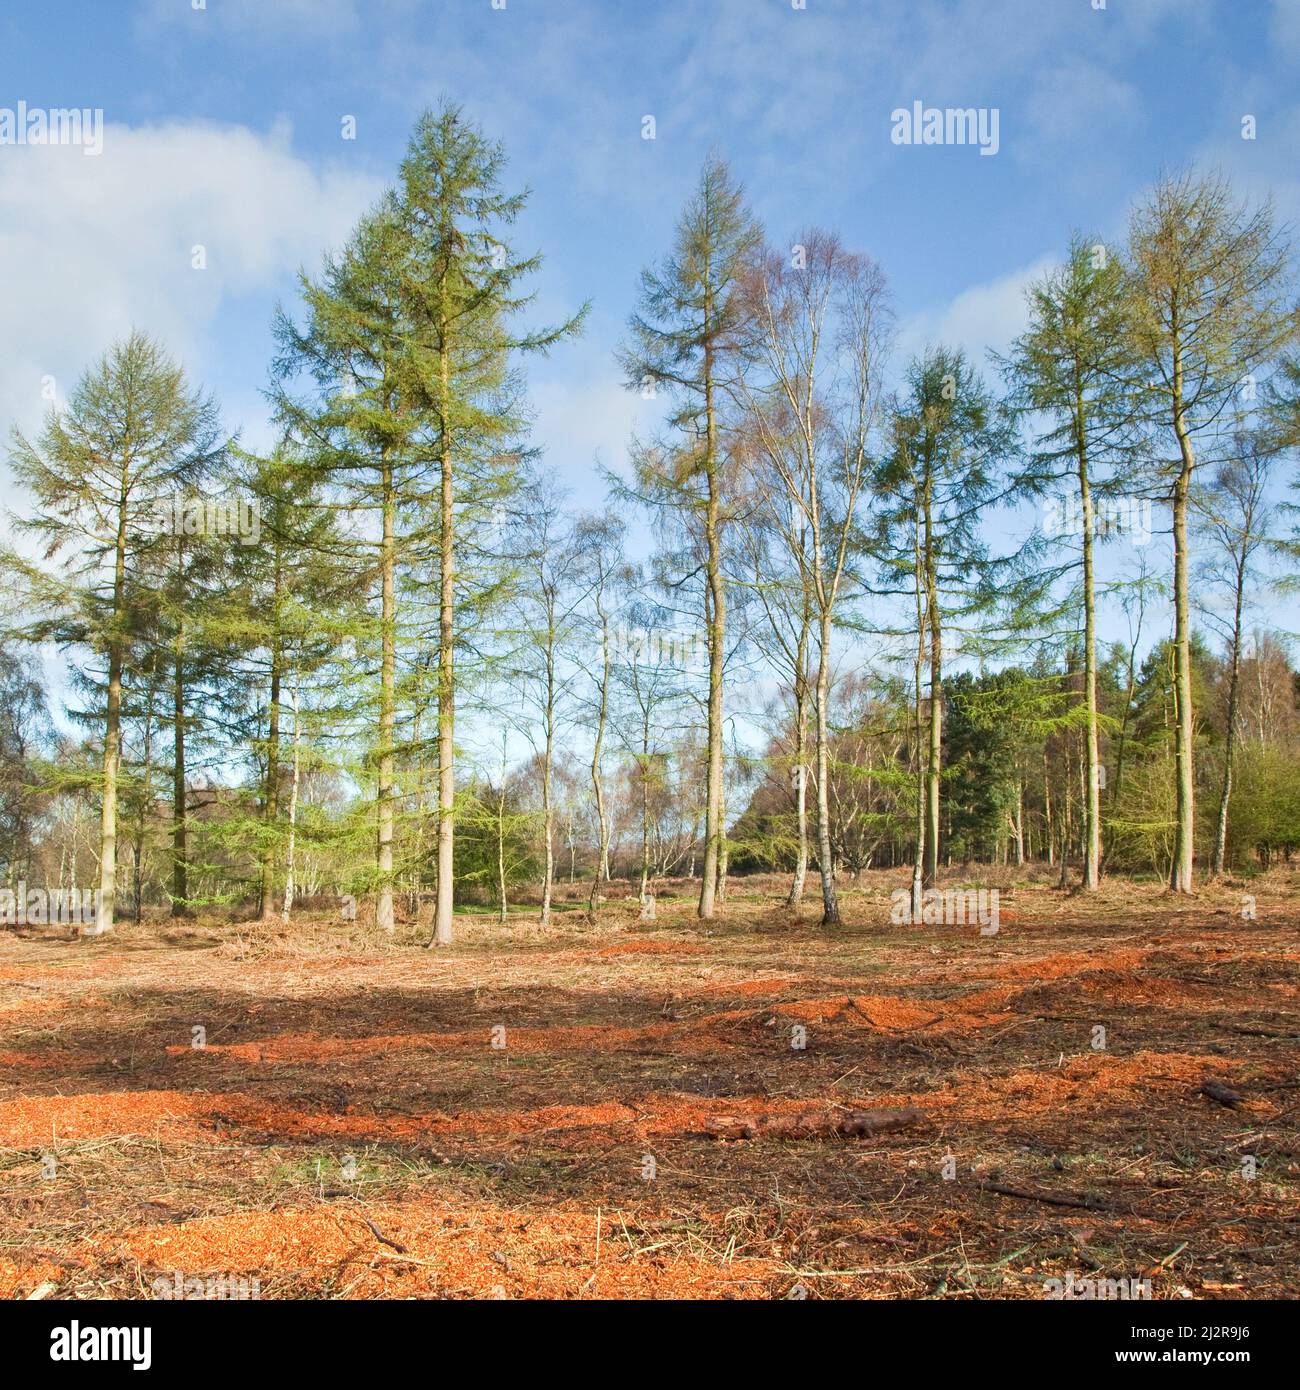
(660, 1109)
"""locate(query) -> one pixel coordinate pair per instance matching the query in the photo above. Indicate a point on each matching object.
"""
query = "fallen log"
(813, 1124)
(1247, 1032)
(1082, 1202)
(1225, 1095)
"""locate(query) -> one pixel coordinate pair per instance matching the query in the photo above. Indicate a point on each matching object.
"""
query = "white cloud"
(92, 246)
(984, 316)
(581, 419)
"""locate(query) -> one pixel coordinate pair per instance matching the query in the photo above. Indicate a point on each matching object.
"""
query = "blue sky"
(224, 130)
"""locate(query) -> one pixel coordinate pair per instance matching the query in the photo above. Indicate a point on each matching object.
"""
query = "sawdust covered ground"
(532, 1113)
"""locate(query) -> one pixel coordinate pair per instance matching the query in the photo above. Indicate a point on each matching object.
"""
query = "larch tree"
(950, 442)
(1212, 307)
(1072, 369)
(144, 682)
(419, 412)
(1282, 403)
(214, 529)
(26, 732)
(685, 337)
(362, 437)
(293, 607)
(462, 291)
(105, 475)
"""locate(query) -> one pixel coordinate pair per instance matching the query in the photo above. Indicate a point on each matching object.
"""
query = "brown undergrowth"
(535, 1112)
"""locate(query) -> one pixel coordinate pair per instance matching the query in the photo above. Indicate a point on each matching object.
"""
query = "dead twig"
(1086, 1202)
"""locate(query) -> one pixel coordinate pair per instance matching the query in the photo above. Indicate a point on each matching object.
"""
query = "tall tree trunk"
(724, 852)
(825, 862)
(918, 859)
(104, 909)
(387, 706)
(934, 752)
(180, 818)
(1092, 807)
(293, 804)
(1121, 739)
(715, 607)
(141, 824)
(417, 829)
(1049, 835)
(645, 803)
(271, 798)
(1180, 874)
(137, 850)
(795, 895)
(644, 886)
(1019, 827)
(503, 908)
(108, 810)
(601, 874)
(1230, 734)
(548, 758)
(442, 932)
(1066, 817)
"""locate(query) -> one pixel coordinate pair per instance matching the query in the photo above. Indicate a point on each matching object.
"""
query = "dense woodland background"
(797, 633)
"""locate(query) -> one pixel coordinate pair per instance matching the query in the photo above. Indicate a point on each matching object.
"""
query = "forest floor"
(554, 1113)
